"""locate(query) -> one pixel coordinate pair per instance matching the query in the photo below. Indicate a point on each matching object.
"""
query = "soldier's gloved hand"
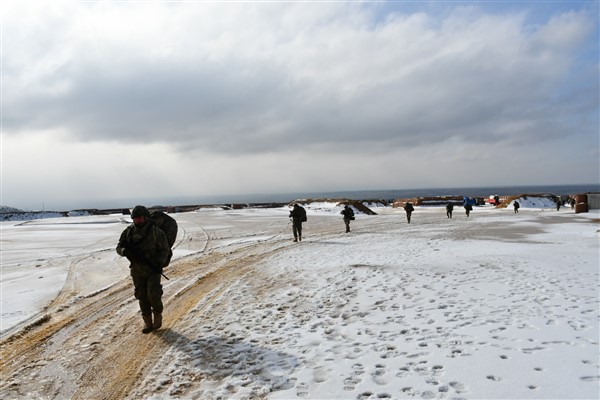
(156, 267)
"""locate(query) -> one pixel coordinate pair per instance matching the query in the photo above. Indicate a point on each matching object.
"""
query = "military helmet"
(140, 211)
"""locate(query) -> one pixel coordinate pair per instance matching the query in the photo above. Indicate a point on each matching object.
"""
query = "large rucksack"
(302, 213)
(169, 226)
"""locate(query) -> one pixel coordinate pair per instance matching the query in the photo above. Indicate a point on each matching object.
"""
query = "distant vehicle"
(493, 200)
(471, 201)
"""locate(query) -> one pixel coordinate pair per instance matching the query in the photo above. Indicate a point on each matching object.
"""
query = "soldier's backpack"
(302, 214)
(169, 226)
(350, 214)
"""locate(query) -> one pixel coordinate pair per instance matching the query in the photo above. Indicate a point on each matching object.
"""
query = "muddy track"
(96, 341)
(115, 372)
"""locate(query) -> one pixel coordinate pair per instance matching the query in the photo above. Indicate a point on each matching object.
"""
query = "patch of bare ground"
(499, 230)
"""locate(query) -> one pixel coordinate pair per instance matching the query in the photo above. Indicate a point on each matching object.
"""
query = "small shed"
(593, 200)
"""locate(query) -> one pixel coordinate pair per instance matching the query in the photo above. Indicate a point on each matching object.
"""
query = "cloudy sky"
(111, 100)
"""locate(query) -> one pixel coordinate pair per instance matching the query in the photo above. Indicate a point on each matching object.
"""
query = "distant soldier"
(468, 209)
(298, 216)
(408, 207)
(516, 206)
(558, 205)
(449, 209)
(572, 202)
(348, 214)
(496, 200)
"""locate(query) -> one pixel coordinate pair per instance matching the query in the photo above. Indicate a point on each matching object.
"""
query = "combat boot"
(147, 323)
(157, 320)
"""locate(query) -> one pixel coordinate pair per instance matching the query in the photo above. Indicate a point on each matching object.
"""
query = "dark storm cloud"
(134, 102)
(407, 82)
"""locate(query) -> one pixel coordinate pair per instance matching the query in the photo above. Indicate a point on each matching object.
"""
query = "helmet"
(140, 211)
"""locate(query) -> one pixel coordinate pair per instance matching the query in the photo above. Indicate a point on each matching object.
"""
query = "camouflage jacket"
(347, 213)
(146, 247)
(298, 214)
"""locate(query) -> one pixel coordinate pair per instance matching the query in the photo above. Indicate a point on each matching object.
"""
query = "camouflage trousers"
(148, 291)
(297, 229)
(347, 223)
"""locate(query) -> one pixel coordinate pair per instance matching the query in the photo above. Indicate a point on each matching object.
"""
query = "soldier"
(468, 209)
(147, 249)
(348, 214)
(408, 207)
(298, 216)
(449, 209)
(516, 206)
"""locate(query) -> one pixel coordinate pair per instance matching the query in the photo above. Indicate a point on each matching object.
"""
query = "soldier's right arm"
(121, 246)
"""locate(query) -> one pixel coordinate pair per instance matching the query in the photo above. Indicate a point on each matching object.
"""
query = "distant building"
(593, 200)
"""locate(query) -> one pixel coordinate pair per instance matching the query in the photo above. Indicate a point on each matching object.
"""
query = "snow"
(534, 202)
(497, 305)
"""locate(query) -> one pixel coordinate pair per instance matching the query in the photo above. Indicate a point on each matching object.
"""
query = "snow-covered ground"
(497, 305)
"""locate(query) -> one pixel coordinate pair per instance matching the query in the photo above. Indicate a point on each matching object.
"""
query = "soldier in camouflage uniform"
(298, 215)
(516, 206)
(468, 209)
(147, 248)
(408, 207)
(449, 209)
(348, 214)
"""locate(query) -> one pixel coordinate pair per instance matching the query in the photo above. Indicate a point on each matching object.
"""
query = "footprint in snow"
(590, 378)
(302, 390)
(458, 387)
(379, 375)
(402, 372)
